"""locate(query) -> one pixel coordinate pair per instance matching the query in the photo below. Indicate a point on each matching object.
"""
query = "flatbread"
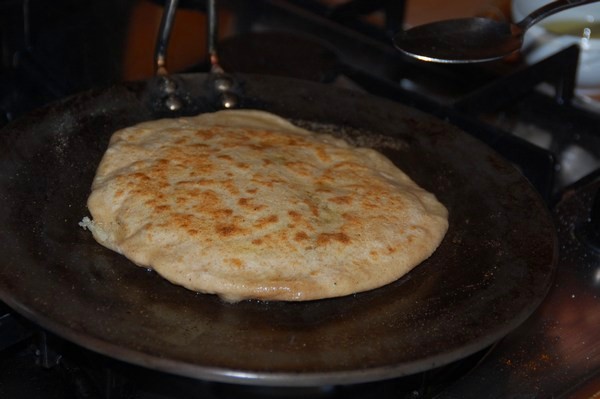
(245, 205)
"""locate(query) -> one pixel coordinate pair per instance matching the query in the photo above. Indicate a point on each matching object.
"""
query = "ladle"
(469, 40)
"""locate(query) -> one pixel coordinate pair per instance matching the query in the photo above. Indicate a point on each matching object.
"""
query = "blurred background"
(51, 49)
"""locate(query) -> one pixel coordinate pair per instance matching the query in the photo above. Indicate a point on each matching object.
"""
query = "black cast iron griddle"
(491, 271)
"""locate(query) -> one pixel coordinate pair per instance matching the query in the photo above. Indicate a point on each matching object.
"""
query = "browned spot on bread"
(349, 165)
(300, 168)
(266, 221)
(257, 241)
(314, 209)
(182, 159)
(301, 236)
(227, 230)
(327, 238)
(192, 232)
(185, 183)
(161, 166)
(205, 182)
(296, 217)
(261, 182)
(223, 212)
(182, 220)
(260, 146)
(208, 198)
(391, 249)
(231, 187)
(299, 220)
(244, 201)
(206, 134)
(192, 193)
(350, 217)
(225, 157)
(236, 262)
(371, 203)
(283, 235)
(141, 176)
(251, 190)
(322, 154)
(248, 204)
(342, 200)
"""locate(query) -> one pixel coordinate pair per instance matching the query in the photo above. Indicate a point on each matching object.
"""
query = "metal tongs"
(222, 83)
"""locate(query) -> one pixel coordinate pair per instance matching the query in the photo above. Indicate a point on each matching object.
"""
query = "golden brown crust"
(245, 205)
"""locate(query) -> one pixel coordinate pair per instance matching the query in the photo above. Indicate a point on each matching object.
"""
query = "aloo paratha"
(246, 205)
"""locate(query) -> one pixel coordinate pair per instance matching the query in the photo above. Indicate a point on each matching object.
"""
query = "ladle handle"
(550, 9)
(162, 41)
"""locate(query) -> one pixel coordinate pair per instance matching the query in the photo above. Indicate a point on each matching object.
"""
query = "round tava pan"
(491, 271)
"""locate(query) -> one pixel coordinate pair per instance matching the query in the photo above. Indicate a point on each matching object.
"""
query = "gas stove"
(528, 114)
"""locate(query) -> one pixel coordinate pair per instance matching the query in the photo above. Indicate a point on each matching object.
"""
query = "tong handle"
(222, 83)
(164, 33)
(213, 23)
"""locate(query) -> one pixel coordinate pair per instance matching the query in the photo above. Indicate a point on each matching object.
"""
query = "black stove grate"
(488, 101)
(41, 365)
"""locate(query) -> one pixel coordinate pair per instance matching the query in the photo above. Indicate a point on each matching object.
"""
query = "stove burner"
(43, 365)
